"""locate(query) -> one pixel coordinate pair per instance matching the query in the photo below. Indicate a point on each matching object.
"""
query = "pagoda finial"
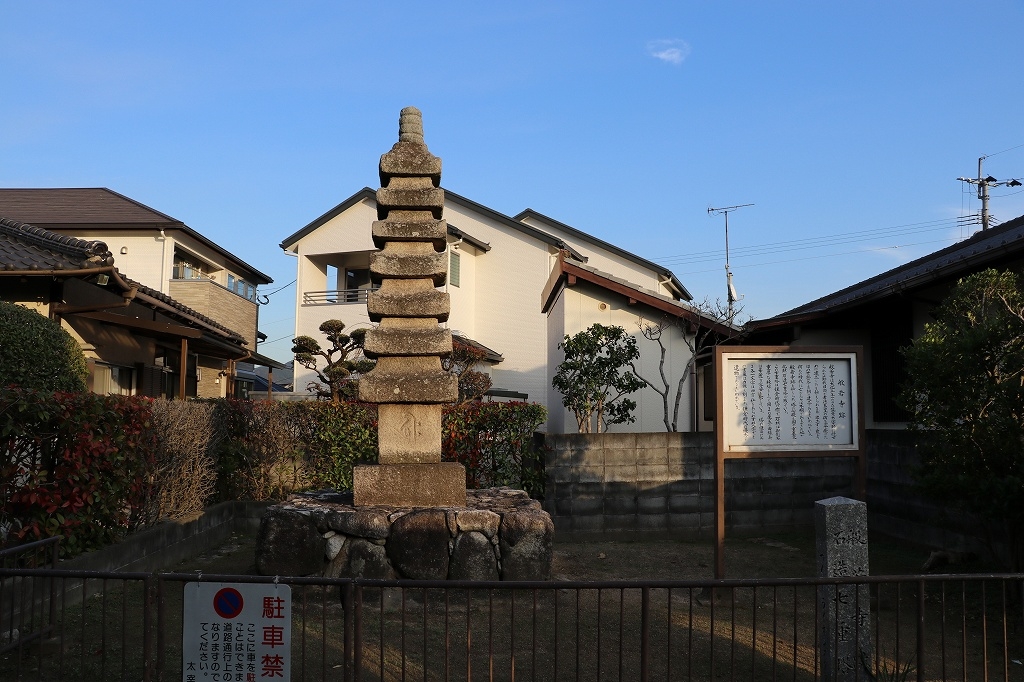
(410, 125)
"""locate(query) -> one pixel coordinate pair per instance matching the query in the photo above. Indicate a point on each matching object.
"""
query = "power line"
(826, 255)
(280, 338)
(1007, 150)
(814, 242)
(266, 297)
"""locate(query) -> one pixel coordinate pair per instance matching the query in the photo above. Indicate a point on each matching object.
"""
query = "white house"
(510, 289)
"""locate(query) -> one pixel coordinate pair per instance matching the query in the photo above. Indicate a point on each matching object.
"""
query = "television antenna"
(730, 290)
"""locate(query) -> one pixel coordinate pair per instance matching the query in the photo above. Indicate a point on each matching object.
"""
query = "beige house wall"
(225, 307)
(210, 384)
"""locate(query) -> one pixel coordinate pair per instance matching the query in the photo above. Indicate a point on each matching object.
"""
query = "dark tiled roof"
(368, 194)
(78, 206)
(979, 251)
(488, 354)
(27, 247)
(583, 236)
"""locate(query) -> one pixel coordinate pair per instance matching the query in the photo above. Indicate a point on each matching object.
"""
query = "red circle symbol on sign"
(228, 602)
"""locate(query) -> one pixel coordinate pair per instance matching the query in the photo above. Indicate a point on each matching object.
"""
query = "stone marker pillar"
(408, 382)
(844, 635)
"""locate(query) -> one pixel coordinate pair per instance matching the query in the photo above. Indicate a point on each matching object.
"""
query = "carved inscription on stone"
(844, 637)
(409, 433)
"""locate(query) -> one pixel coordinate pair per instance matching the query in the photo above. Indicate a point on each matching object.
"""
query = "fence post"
(645, 632)
(348, 601)
(54, 558)
(920, 631)
(357, 654)
(161, 612)
(147, 628)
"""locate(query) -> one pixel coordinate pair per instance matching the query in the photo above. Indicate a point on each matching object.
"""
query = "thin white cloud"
(673, 51)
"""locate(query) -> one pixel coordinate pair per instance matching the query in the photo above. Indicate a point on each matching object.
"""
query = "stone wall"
(622, 483)
(499, 534)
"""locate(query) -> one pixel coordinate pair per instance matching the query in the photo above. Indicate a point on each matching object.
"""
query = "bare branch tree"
(707, 324)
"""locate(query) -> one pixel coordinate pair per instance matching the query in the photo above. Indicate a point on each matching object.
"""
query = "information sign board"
(789, 401)
(785, 401)
(237, 632)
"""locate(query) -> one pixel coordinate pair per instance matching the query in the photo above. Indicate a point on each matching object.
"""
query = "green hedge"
(74, 465)
(37, 353)
(91, 468)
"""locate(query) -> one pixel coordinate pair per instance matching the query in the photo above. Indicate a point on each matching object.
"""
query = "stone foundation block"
(293, 544)
(441, 484)
(473, 558)
(418, 545)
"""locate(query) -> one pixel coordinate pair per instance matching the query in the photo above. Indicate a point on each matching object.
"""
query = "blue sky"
(246, 120)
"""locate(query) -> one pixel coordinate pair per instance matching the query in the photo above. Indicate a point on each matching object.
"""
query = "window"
(185, 270)
(109, 379)
(242, 288)
(454, 269)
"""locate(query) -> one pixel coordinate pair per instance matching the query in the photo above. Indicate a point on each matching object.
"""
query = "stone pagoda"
(410, 516)
(408, 383)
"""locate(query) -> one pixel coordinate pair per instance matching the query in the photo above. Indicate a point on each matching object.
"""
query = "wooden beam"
(184, 368)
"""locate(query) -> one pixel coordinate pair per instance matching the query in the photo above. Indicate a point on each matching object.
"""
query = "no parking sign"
(237, 632)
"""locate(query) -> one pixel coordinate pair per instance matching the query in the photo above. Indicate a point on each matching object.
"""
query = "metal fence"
(27, 602)
(336, 296)
(128, 626)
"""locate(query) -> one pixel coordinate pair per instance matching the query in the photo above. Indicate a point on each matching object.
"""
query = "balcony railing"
(336, 296)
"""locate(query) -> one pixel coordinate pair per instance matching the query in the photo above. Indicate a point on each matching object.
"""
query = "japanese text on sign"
(236, 633)
(789, 402)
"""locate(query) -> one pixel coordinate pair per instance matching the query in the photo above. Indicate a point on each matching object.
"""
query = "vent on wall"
(454, 269)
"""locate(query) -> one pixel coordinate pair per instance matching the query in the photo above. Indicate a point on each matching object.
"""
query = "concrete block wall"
(898, 509)
(623, 483)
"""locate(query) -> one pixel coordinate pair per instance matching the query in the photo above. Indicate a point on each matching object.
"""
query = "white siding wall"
(509, 279)
(606, 261)
(346, 232)
(463, 297)
(559, 419)
(580, 307)
(498, 304)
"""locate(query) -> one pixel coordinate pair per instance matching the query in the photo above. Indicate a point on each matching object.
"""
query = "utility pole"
(983, 184)
(730, 290)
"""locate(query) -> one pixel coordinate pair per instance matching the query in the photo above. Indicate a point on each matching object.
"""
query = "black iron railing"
(964, 627)
(28, 601)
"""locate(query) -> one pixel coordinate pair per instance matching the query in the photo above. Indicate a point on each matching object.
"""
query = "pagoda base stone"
(436, 484)
(499, 534)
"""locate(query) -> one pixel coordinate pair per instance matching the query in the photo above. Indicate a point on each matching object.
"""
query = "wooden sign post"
(783, 401)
